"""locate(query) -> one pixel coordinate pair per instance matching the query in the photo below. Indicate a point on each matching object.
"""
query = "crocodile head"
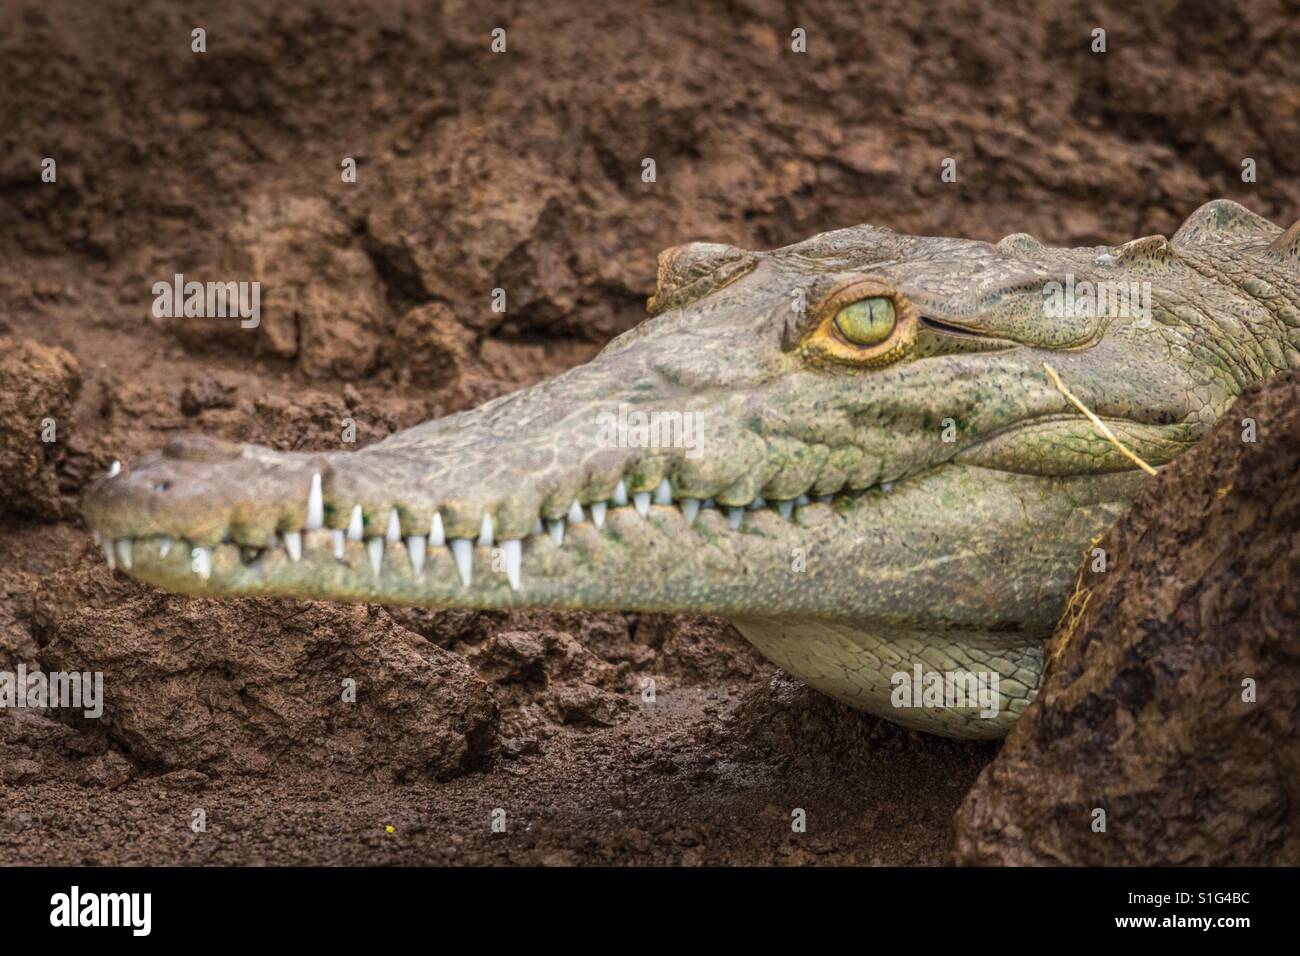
(848, 446)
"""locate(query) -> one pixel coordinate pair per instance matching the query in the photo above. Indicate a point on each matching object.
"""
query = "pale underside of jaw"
(433, 553)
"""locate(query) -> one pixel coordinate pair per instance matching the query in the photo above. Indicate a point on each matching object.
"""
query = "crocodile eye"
(862, 323)
(866, 322)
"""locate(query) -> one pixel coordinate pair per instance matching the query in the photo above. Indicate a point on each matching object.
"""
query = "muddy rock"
(38, 388)
(321, 302)
(255, 687)
(1169, 699)
(432, 348)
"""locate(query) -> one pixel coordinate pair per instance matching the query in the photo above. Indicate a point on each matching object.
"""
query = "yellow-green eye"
(867, 321)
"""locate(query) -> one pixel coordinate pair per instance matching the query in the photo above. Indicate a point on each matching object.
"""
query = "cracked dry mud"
(523, 173)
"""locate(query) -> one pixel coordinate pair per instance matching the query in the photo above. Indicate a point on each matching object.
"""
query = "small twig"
(1097, 422)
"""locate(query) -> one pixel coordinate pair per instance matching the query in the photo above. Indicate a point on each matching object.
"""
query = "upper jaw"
(209, 518)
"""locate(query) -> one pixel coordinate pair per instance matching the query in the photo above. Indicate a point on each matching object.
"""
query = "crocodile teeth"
(598, 509)
(462, 549)
(642, 501)
(485, 535)
(785, 508)
(619, 498)
(315, 505)
(734, 517)
(664, 493)
(415, 549)
(512, 552)
(802, 501)
(394, 532)
(123, 546)
(575, 513)
(556, 528)
(690, 509)
(375, 548)
(109, 556)
(538, 527)
(437, 537)
(356, 525)
(340, 543)
(115, 469)
(293, 544)
(825, 499)
(759, 502)
(201, 562)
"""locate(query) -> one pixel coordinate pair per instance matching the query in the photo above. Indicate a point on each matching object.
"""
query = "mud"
(519, 171)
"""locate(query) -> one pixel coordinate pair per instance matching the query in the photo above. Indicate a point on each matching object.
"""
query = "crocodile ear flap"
(693, 270)
(1286, 247)
(1147, 251)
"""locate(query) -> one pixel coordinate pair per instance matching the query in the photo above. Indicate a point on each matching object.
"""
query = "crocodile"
(849, 447)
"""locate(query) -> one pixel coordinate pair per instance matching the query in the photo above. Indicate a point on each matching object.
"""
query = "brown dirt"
(1144, 711)
(522, 172)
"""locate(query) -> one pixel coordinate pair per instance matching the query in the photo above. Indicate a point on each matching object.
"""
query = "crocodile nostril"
(162, 486)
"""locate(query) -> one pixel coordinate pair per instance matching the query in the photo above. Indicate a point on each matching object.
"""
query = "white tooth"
(109, 556)
(556, 528)
(785, 508)
(759, 502)
(575, 514)
(734, 517)
(124, 552)
(485, 535)
(619, 498)
(95, 536)
(462, 549)
(394, 532)
(664, 493)
(293, 544)
(115, 469)
(802, 501)
(164, 547)
(315, 505)
(538, 527)
(356, 526)
(201, 562)
(887, 487)
(642, 501)
(598, 513)
(340, 540)
(437, 537)
(375, 548)
(512, 551)
(415, 548)
(690, 509)
(825, 499)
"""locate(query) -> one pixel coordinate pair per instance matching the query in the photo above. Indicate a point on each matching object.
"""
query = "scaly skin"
(953, 489)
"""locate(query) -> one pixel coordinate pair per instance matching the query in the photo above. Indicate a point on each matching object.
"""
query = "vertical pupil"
(867, 321)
